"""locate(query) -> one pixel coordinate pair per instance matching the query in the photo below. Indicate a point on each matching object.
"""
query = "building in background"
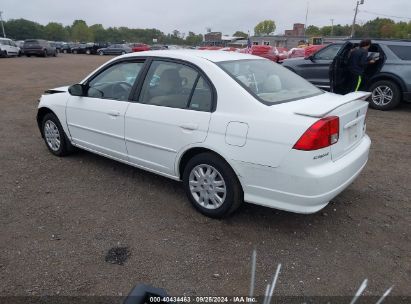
(297, 31)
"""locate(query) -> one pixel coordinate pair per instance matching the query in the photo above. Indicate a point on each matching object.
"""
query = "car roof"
(214, 56)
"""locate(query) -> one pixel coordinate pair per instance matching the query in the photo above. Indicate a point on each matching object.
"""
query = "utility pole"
(306, 18)
(355, 17)
(2, 26)
(332, 27)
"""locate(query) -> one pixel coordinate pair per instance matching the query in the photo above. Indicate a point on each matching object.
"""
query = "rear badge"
(321, 156)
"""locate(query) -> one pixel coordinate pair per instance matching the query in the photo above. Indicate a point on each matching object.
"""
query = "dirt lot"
(60, 216)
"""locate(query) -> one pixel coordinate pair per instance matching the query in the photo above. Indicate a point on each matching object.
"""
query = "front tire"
(385, 95)
(101, 53)
(54, 136)
(212, 186)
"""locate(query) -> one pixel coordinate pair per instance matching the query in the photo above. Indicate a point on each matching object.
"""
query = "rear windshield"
(402, 51)
(269, 82)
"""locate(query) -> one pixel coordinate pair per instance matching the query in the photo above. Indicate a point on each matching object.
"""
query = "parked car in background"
(281, 52)
(314, 68)
(115, 49)
(139, 47)
(57, 45)
(157, 47)
(388, 79)
(265, 51)
(66, 47)
(38, 47)
(79, 48)
(9, 48)
(270, 138)
(296, 53)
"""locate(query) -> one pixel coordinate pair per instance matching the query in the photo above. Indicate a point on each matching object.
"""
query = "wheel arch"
(193, 151)
(390, 77)
(41, 112)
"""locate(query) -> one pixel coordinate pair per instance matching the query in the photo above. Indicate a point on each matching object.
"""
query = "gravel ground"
(60, 217)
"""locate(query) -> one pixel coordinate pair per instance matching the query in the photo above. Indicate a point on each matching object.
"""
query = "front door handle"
(113, 113)
(189, 126)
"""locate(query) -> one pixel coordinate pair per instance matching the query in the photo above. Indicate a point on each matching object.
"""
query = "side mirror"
(311, 57)
(77, 90)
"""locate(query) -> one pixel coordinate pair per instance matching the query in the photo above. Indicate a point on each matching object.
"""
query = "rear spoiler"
(313, 110)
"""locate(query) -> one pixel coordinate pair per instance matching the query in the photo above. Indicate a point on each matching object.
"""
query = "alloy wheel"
(207, 186)
(382, 95)
(52, 135)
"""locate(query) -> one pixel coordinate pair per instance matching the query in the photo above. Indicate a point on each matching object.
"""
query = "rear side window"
(402, 51)
(176, 85)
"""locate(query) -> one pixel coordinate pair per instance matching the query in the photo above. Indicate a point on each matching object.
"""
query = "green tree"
(313, 30)
(80, 31)
(265, 27)
(193, 39)
(22, 29)
(240, 34)
(326, 31)
(55, 32)
(98, 32)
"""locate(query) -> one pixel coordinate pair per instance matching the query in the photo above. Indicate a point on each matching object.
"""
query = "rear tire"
(54, 136)
(212, 186)
(88, 52)
(45, 54)
(385, 95)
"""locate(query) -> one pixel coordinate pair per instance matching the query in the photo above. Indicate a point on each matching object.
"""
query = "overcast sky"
(185, 15)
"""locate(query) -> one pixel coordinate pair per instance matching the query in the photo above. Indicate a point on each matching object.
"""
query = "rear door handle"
(113, 113)
(189, 126)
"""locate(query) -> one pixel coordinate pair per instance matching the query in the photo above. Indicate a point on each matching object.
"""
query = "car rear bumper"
(302, 190)
(33, 52)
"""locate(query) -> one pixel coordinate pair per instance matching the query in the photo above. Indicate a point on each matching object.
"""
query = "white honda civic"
(232, 127)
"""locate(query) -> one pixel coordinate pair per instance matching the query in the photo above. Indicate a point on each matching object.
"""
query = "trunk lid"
(321, 105)
(351, 110)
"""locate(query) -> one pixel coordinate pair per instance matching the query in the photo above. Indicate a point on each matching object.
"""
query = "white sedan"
(232, 127)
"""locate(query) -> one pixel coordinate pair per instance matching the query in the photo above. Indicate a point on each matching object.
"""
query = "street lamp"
(2, 26)
(355, 17)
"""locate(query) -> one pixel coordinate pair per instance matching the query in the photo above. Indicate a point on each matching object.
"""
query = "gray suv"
(389, 79)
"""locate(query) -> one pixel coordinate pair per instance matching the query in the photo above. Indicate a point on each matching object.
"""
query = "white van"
(9, 48)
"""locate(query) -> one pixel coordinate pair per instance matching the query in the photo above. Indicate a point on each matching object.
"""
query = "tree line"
(377, 28)
(79, 31)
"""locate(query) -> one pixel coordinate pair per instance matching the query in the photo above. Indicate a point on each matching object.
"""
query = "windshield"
(268, 81)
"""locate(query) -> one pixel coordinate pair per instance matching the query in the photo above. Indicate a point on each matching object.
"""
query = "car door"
(338, 69)
(96, 120)
(114, 50)
(172, 111)
(318, 64)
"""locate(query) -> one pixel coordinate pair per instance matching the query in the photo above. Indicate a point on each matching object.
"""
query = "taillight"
(321, 134)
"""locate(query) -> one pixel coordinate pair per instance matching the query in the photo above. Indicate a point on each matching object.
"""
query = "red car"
(265, 51)
(309, 50)
(139, 47)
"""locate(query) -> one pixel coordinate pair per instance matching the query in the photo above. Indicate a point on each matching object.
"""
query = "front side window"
(269, 82)
(175, 85)
(115, 82)
(328, 53)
